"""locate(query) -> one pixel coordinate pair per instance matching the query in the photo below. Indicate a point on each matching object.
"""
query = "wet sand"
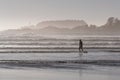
(85, 73)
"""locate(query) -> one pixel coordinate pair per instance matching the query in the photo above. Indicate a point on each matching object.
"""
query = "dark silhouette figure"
(80, 46)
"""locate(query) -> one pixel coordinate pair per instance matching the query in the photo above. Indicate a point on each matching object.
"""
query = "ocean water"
(63, 49)
(64, 72)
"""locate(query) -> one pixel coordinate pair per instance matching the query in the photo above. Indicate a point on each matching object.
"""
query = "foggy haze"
(19, 13)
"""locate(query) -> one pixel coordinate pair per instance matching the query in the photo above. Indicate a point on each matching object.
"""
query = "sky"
(18, 13)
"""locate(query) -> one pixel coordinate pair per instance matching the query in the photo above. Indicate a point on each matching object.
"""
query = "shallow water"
(93, 73)
(61, 56)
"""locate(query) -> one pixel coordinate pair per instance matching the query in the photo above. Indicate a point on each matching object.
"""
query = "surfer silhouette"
(80, 46)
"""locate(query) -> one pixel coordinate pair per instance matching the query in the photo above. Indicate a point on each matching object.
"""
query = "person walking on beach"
(80, 46)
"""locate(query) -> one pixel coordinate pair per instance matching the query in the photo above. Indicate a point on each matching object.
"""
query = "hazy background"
(18, 13)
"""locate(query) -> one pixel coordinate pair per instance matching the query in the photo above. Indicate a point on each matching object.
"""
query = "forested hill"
(68, 27)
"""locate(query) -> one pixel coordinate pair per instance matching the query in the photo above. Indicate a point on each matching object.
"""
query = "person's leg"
(79, 49)
(82, 48)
